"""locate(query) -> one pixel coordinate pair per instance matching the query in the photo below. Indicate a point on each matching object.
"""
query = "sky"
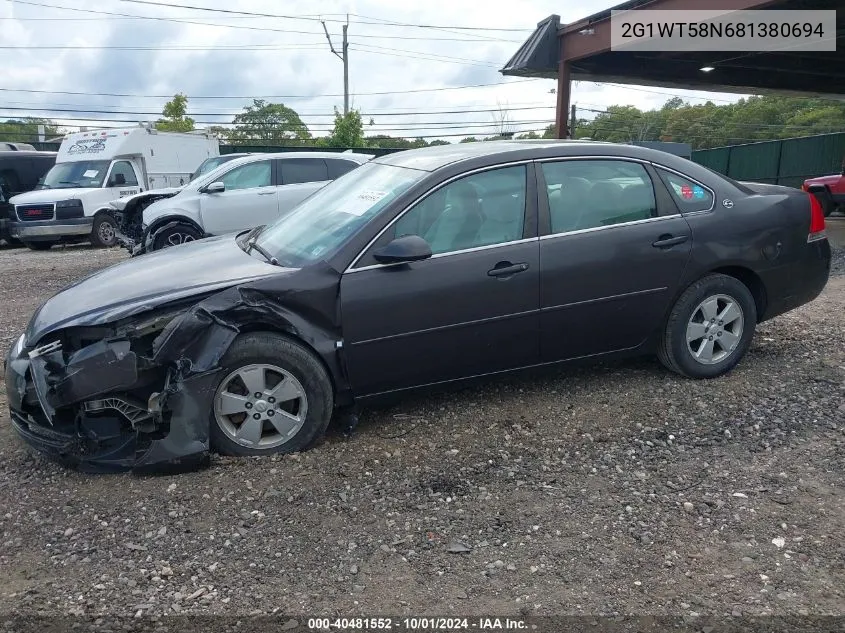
(126, 58)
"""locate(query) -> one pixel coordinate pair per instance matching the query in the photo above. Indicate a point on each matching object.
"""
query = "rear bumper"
(50, 229)
(807, 278)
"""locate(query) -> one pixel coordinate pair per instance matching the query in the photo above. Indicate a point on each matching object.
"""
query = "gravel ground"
(613, 489)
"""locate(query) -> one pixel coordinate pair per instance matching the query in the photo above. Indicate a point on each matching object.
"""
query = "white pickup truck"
(94, 168)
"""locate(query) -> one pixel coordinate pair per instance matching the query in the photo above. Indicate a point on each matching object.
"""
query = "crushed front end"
(94, 398)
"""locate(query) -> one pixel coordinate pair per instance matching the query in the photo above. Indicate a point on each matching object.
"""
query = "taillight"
(817, 226)
(805, 187)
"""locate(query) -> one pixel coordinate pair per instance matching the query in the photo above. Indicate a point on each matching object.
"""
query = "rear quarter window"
(688, 195)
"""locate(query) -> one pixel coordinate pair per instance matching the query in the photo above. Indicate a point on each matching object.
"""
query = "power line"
(318, 114)
(171, 5)
(398, 52)
(241, 97)
(111, 15)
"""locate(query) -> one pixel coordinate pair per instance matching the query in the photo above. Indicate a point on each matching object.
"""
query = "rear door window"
(687, 194)
(338, 167)
(590, 194)
(299, 170)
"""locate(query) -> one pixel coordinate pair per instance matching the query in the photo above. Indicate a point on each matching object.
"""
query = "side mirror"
(410, 248)
(215, 187)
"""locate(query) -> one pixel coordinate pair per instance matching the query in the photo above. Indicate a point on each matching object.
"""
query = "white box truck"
(93, 168)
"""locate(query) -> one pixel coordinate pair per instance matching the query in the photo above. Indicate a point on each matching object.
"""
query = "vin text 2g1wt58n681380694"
(419, 268)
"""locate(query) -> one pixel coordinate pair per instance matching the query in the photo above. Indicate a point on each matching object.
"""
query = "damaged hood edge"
(144, 283)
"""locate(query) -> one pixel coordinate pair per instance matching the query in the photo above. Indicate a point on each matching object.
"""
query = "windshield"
(83, 173)
(321, 224)
(210, 163)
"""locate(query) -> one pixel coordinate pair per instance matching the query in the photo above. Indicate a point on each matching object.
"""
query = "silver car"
(240, 194)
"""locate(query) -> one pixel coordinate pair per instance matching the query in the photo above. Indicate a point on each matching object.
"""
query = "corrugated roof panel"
(540, 55)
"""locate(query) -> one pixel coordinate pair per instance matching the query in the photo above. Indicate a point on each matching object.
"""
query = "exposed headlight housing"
(17, 348)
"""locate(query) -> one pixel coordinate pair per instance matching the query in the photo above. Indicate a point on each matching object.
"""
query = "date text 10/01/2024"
(416, 624)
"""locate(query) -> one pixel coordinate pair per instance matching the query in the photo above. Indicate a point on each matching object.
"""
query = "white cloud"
(249, 62)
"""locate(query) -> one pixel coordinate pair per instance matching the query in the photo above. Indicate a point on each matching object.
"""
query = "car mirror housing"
(215, 187)
(409, 248)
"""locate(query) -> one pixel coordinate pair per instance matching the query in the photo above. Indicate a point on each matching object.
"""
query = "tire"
(688, 317)
(104, 231)
(264, 357)
(174, 236)
(39, 246)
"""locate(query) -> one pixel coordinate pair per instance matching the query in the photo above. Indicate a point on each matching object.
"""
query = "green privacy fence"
(784, 162)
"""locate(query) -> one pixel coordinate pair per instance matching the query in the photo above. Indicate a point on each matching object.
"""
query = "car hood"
(823, 180)
(50, 195)
(120, 203)
(143, 283)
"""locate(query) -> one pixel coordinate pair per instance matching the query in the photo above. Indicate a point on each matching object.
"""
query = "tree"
(174, 119)
(529, 135)
(469, 139)
(348, 130)
(264, 123)
(26, 130)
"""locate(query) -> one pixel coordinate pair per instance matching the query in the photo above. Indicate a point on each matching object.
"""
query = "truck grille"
(33, 212)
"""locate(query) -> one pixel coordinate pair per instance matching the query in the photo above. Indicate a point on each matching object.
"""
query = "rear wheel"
(39, 246)
(175, 235)
(274, 397)
(104, 231)
(710, 328)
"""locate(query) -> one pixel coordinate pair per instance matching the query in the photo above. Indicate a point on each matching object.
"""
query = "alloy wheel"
(715, 329)
(260, 406)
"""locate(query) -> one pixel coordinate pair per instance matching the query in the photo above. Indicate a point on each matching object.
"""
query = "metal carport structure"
(581, 51)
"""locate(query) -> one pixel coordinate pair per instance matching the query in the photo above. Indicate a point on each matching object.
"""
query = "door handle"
(506, 269)
(266, 193)
(667, 241)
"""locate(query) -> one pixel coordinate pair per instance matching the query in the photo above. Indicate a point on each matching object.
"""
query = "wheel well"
(752, 281)
(181, 219)
(259, 326)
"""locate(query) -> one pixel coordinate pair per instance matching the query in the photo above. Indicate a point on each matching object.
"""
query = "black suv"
(20, 171)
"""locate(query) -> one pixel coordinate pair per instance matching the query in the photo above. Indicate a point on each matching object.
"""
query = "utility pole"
(573, 121)
(344, 57)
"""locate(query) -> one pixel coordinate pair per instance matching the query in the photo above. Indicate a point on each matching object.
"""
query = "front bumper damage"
(138, 394)
(104, 407)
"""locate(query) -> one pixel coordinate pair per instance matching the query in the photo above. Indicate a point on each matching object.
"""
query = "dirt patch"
(614, 489)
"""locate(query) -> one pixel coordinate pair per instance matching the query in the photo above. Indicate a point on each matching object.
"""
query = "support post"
(345, 68)
(563, 96)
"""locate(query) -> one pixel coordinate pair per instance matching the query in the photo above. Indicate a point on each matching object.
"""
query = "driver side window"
(248, 176)
(483, 209)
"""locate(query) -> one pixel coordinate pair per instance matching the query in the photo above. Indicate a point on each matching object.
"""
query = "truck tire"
(104, 231)
(39, 246)
(174, 236)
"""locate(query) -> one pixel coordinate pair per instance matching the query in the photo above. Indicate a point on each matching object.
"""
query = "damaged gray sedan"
(418, 268)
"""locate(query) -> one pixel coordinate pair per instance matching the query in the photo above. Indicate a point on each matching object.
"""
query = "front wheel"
(274, 397)
(174, 236)
(710, 328)
(104, 231)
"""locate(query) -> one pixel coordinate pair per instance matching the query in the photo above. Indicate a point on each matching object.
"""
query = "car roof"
(28, 153)
(485, 152)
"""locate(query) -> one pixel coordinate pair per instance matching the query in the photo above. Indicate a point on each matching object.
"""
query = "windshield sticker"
(699, 192)
(91, 173)
(364, 202)
(686, 192)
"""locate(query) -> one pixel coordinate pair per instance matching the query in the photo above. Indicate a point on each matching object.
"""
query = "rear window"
(338, 167)
(689, 196)
(297, 170)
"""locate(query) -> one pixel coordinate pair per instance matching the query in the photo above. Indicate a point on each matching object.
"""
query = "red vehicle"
(830, 190)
